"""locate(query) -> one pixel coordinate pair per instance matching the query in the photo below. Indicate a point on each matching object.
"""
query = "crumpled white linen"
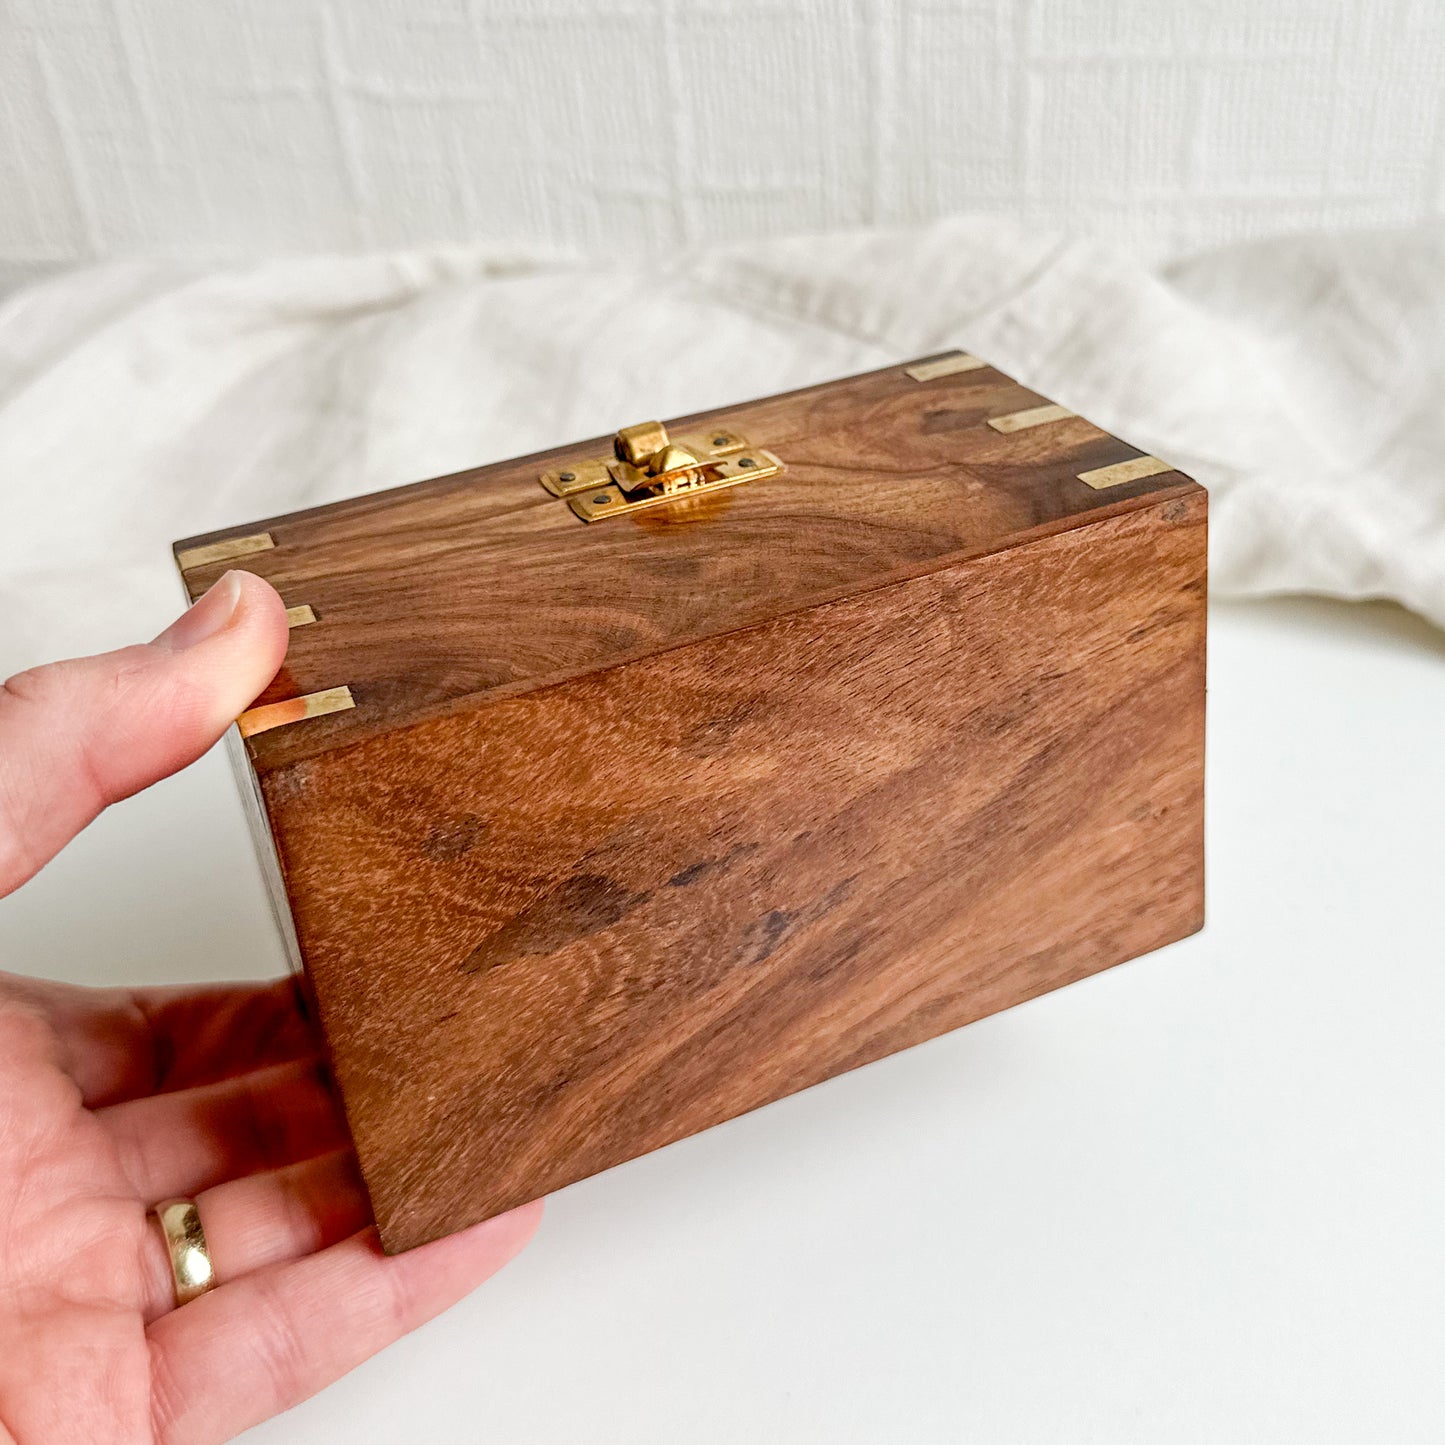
(140, 402)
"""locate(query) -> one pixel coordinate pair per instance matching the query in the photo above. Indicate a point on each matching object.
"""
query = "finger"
(267, 1219)
(119, 1043)
(76, 736)
(251, 1349)
(182, 1143)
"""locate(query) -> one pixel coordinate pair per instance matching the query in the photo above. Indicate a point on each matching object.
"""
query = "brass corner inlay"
(224, 551)
(1032, 417)
(294, 709)
(301, 616)
(1134, 470)
(943, 366)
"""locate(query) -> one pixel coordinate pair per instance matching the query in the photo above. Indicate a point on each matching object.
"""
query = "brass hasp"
(650, 469)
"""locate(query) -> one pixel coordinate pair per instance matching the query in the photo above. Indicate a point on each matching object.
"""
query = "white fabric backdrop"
(1297, 380)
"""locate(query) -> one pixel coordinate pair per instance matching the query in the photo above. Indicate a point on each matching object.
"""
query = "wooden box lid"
(481, 585)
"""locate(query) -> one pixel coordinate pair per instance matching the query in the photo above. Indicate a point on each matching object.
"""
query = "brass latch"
(651, 469)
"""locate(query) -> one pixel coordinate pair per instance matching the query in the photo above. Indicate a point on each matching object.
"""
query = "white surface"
(1195, 1199)
(241, 127)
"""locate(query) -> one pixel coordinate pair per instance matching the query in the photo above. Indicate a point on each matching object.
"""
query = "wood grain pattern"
(640, 825)
(585, 922)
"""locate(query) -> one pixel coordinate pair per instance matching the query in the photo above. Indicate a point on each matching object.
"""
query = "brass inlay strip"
(1034, 416)
(944, 366)
(294, 709)
(224, 551)
(1134, 470)
(299, 616)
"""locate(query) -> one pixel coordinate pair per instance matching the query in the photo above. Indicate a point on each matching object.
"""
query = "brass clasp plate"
(651, 469)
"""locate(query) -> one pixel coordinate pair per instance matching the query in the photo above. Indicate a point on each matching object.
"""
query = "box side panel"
(576, 925)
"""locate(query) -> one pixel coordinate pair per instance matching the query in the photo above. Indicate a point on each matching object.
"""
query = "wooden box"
(866, 711)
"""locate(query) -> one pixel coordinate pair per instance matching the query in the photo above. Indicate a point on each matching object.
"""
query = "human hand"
(114, 1099)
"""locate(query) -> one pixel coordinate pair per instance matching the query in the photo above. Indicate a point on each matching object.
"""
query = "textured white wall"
(215, 129)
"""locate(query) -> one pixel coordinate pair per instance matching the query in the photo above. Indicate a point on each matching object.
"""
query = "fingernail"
(206, 617)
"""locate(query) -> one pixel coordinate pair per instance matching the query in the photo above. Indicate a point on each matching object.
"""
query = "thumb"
(76, 736)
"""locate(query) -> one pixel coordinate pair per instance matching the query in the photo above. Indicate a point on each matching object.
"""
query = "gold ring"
(191, 1269)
